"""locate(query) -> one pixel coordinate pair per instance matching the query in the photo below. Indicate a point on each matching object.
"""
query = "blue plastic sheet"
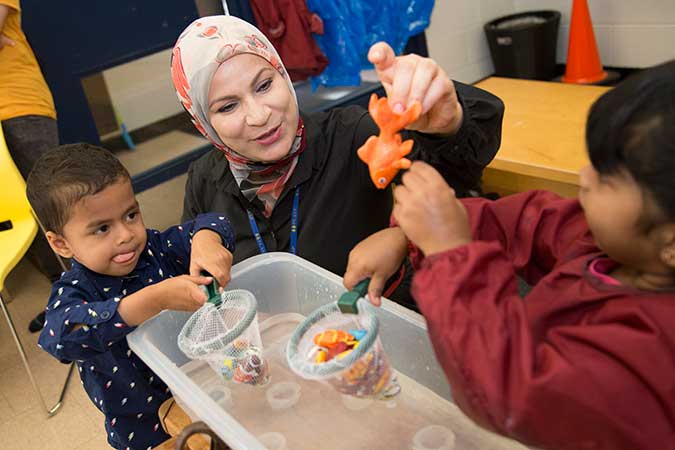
(352, 26)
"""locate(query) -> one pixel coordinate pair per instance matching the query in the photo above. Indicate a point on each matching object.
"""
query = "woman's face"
(252, 109)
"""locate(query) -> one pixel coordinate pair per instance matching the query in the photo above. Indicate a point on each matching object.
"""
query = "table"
(543, 144)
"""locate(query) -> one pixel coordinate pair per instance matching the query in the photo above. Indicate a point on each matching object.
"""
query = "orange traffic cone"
(583, 60)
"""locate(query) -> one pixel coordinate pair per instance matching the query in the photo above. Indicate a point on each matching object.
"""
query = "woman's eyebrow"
(253, 83)
(257, 76)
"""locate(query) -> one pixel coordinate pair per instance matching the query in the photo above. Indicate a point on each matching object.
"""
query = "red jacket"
(577, 364)
(289, 25)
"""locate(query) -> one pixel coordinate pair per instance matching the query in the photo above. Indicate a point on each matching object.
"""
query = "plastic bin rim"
(274, 257)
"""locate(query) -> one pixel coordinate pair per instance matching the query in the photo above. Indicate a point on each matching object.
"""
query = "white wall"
(141, 90)
(629, 33)
(456, 38)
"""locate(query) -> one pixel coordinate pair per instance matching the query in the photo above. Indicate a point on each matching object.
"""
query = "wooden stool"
(174, 420)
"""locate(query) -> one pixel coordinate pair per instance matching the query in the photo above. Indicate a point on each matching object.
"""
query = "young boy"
(587, 359)
(122, 274)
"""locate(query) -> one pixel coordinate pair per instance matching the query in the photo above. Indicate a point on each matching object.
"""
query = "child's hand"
(182, 293)
(178, 293)
(428, 211)
(378, 257)
(209, 254)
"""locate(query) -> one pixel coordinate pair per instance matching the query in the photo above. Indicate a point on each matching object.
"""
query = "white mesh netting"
(226, 335)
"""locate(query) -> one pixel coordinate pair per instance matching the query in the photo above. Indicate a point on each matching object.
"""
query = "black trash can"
(524, 45)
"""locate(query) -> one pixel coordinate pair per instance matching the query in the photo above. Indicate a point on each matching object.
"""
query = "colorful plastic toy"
(385, 153)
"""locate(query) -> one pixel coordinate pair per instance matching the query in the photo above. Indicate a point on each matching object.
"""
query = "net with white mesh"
(361, 368)
(226, 335)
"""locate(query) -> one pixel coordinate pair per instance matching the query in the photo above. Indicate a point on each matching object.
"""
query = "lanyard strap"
(294, 226)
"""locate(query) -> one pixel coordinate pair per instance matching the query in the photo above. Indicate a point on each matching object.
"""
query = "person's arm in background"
(5, 10)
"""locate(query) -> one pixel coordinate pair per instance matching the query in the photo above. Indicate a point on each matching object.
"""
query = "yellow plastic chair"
(18, 227)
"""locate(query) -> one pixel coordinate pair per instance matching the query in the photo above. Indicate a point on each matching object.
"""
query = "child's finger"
(401, 194)
(412, 178)
(197, 294)
(200, 280)
(195, 269)
(352, 275)
(221, 276)
(375, 288)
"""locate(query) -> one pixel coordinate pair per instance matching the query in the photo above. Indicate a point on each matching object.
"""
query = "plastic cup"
(434, 437)
(283, 395)
(273, 441)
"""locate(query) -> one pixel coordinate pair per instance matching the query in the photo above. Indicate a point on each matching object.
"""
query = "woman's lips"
(123, 258)
(270, 137)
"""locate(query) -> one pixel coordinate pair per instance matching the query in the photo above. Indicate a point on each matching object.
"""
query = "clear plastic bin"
(288, 288)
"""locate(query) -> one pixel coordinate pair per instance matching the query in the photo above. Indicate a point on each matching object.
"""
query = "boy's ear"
(59, 244)
(667, 253)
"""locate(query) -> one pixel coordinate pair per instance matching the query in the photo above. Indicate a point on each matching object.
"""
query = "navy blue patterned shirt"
(116, 380)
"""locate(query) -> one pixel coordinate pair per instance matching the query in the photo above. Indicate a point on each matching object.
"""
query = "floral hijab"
(202, 47)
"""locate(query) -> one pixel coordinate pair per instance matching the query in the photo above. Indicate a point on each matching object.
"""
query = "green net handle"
(212, 290)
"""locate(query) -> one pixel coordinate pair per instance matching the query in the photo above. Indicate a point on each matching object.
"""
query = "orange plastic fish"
(385, 153)
(330, 338)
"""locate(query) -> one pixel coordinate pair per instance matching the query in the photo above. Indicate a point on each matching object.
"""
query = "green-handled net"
(224, 332)
(364, 371)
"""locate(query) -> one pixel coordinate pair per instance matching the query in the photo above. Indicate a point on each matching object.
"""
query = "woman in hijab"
(293, 182)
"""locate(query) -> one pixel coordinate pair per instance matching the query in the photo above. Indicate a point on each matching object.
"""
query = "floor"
(78, 425)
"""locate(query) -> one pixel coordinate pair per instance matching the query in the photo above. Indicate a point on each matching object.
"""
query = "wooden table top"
(544, 126)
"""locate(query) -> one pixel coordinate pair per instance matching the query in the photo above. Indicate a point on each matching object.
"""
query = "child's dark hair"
(65, 175)
(632, 128)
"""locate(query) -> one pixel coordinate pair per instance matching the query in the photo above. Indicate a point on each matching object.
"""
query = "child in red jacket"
(587, 359)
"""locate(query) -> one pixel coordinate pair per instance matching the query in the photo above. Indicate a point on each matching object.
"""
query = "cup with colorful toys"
(224, 333)
(339, 344)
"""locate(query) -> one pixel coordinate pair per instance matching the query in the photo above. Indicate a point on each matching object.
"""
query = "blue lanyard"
(294, 226)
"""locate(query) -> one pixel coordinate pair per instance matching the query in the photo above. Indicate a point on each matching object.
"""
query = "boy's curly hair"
(65, 175)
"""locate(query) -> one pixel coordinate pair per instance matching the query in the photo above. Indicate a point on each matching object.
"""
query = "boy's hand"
(209, 254)
(378, 257)
(428, 211)
(182, 293)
